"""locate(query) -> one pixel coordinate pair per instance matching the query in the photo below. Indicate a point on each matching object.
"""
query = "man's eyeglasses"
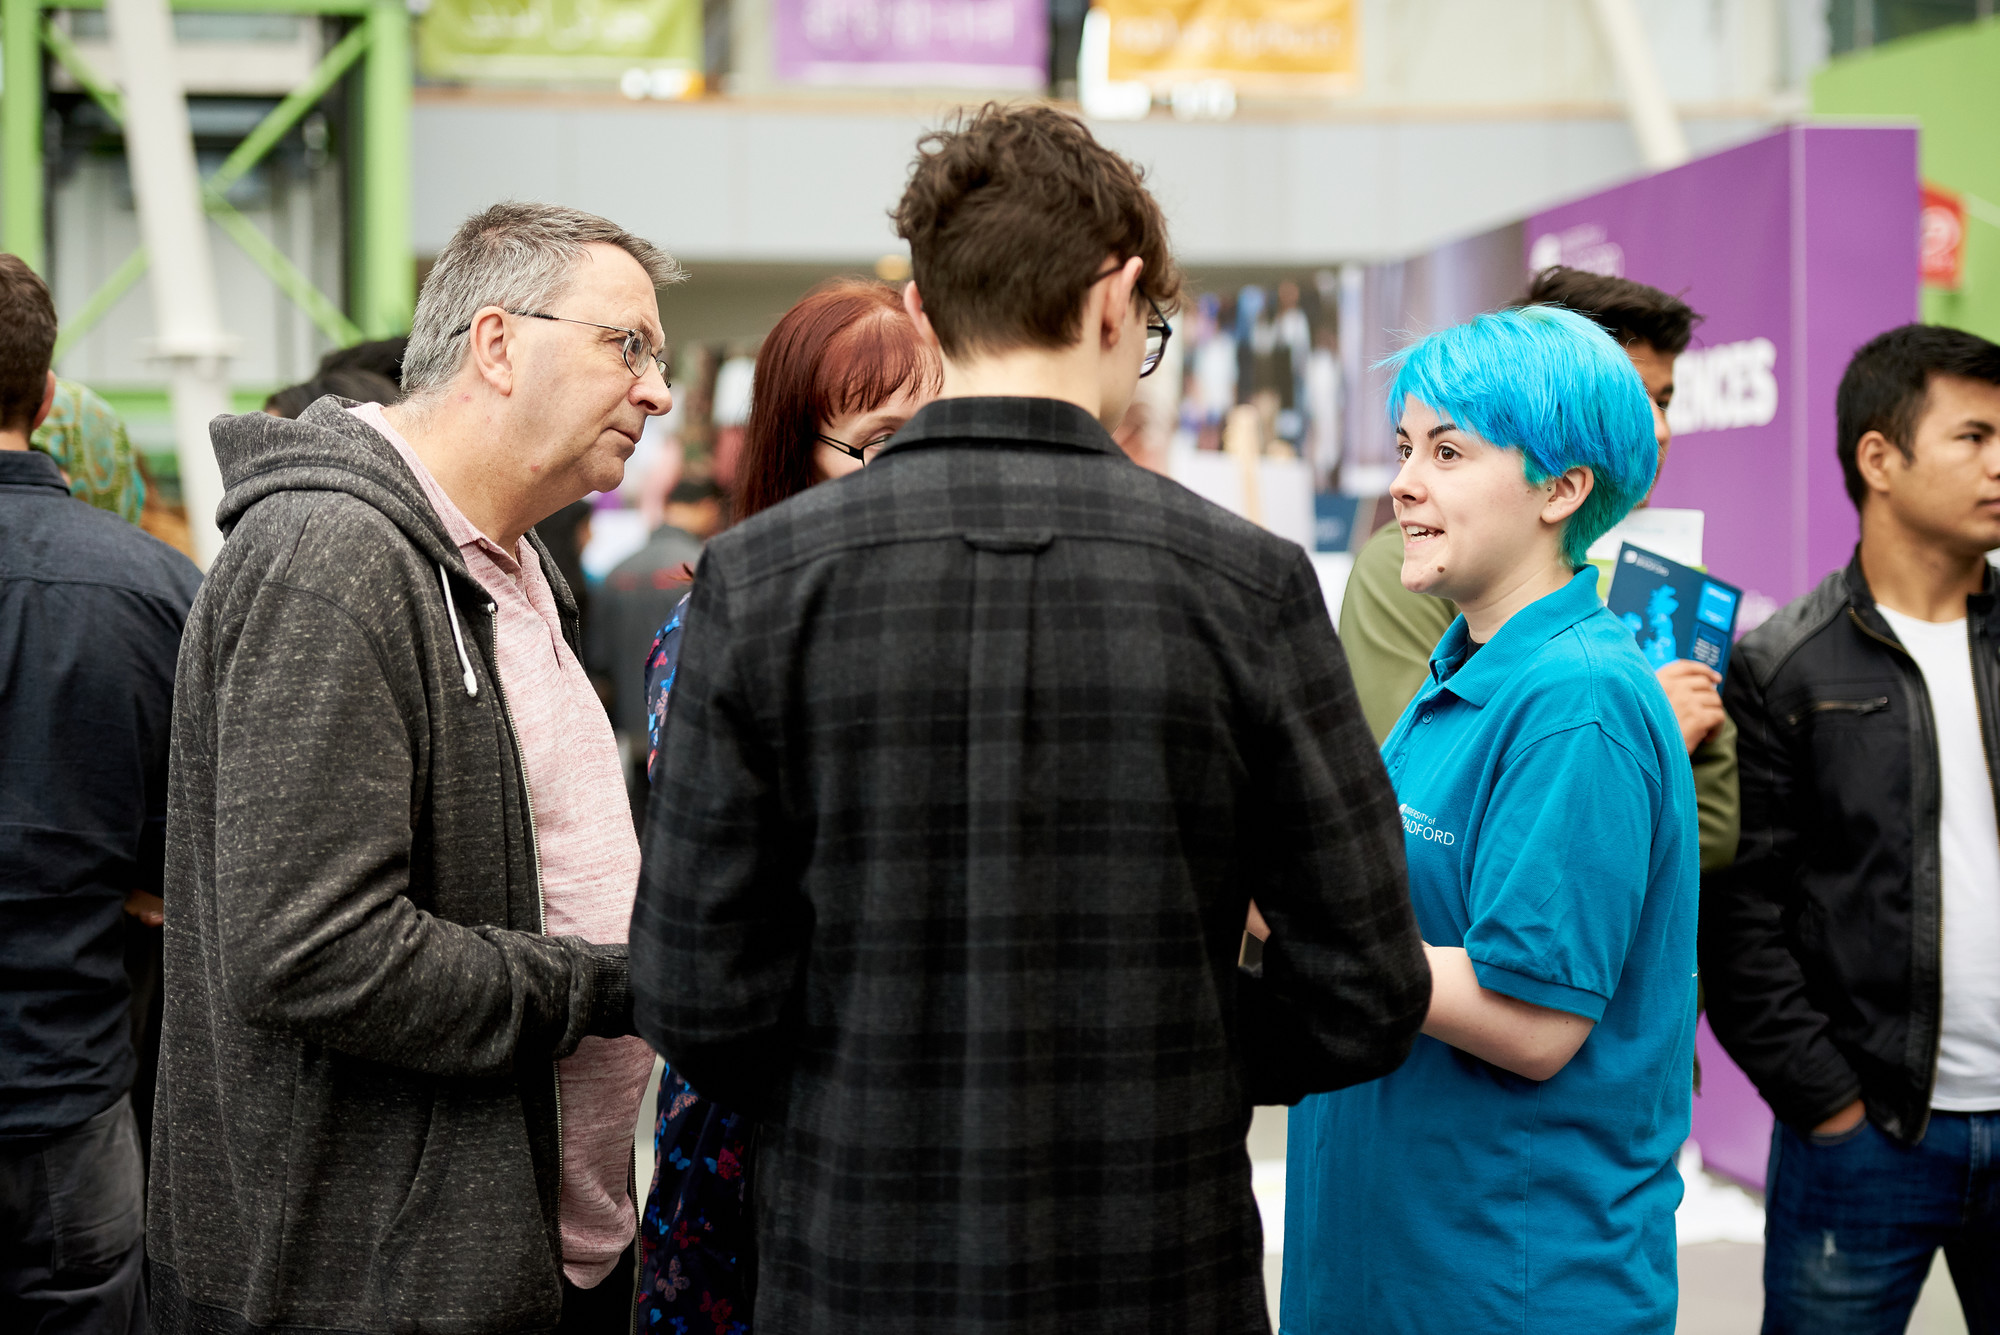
(865, 453)
(633, 349)
(1158, 331)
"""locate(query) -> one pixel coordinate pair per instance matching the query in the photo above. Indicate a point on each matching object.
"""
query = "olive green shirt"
(1389, 632)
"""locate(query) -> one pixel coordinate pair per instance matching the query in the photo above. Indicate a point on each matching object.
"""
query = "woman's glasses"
(865, 453)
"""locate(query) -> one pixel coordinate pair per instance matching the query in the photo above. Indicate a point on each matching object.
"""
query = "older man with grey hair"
(398, 1081)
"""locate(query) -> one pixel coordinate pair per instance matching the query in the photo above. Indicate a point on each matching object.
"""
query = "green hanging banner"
(565, 41)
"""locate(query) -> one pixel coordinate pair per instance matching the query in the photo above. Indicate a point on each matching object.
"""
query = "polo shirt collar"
(1478, 678)
(30, 468)
(1017, 421)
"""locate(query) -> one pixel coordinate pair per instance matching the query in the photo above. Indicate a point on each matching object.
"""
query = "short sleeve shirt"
(1549, 821)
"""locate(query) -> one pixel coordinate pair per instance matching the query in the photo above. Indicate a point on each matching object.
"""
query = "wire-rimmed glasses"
(632, 350)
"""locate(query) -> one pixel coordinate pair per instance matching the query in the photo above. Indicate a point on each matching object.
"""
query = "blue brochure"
(1675, 611)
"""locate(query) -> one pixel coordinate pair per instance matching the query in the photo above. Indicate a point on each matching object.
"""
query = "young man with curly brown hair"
(977, 757)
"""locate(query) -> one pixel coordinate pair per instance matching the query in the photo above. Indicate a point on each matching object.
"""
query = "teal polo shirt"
(1549, 820)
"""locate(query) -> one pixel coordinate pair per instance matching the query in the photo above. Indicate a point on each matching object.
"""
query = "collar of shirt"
(457, 527)
(1476, 678)
(30, 468)
(1023, 421)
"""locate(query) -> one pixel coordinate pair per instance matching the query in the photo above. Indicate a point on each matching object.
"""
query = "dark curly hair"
(1628, 311)
(1888, 384)
(1009, 215)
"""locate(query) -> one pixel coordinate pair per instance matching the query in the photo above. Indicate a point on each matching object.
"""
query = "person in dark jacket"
(399, 1083)
(1852, 954)
(91, 611)
(974, 762)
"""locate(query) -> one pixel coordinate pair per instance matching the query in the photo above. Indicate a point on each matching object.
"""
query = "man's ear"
(1876, 458)
(492, 349)
(48, 400)
(1120, 290)
(1567, 493)
(913, 306)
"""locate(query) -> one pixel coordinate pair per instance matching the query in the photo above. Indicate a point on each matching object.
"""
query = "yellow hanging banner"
(1274, 46)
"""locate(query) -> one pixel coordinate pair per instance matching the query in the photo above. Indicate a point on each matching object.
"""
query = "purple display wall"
(1797, 247)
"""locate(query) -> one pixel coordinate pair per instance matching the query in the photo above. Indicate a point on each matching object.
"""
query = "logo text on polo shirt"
(1419, 826)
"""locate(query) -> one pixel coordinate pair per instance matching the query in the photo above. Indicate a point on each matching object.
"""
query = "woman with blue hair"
(1517, 1172)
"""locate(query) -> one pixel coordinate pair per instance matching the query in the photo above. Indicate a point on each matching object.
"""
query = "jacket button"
(1426, 717)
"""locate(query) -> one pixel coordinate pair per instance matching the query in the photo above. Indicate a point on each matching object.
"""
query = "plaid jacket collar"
(1476, 680)
(1021, 421)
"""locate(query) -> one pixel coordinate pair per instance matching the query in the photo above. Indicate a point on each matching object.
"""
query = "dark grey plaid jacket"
(974, 761)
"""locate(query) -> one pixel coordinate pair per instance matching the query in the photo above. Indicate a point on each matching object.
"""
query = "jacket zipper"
(1937, 944)
(534, 852)
(1871, 706)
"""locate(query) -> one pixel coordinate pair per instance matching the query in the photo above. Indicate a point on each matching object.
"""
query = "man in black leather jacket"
(1852, 953)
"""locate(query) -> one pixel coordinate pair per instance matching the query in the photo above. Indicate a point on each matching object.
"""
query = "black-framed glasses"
(865, 453)
(1158, 331)
(632, 350)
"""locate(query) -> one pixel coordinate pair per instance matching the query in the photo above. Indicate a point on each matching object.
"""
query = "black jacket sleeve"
(1345, 985)
(1751, 975)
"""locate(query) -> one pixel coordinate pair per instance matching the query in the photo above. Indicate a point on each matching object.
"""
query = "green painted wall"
(1950, 81)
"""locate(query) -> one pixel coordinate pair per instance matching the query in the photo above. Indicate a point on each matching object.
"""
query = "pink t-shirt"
(589, 862)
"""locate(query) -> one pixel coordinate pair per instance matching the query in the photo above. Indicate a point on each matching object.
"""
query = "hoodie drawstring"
(451, 612)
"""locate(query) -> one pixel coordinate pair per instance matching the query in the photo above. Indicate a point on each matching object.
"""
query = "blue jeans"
(1852, 1222)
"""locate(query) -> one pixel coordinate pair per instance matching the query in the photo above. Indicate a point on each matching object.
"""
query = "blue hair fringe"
(1553, 385)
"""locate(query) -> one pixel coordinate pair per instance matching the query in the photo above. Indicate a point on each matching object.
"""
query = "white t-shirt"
(1968, 1068)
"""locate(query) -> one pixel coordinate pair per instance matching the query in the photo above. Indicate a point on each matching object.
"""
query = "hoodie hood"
(325, 449)
(328, 448)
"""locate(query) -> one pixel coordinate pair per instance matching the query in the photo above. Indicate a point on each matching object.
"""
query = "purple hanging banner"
(913, 43)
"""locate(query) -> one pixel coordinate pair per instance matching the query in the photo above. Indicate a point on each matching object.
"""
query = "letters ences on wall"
(1723, 387)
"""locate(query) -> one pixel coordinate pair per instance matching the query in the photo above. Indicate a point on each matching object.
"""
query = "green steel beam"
(280, 269)
(384, 281)
(21, 180)
(100, 303)
(288, 112)
(71, 59)
(266, 255)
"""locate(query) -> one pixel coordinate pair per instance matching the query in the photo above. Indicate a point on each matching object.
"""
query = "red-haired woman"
(836, 378)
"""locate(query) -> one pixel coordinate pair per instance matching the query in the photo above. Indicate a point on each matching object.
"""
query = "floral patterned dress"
(694, 1240)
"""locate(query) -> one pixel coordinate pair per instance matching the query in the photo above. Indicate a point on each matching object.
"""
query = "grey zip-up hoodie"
(358, 1125)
